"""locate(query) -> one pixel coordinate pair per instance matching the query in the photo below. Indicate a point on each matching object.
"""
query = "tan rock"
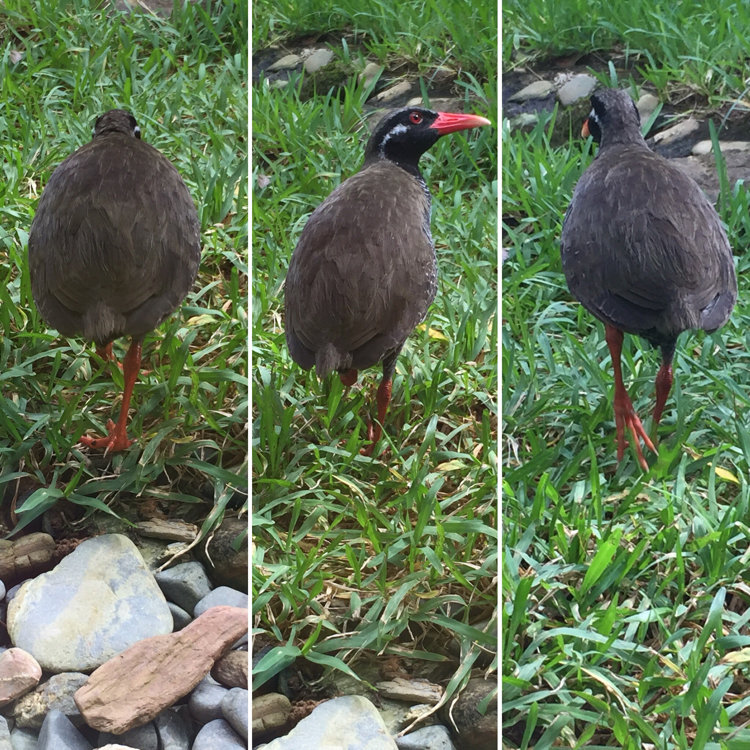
(26, 557)
(138, 684)
(231, 670)
(19, 673)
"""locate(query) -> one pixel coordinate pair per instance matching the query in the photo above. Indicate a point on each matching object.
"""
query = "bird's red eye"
(415, 117)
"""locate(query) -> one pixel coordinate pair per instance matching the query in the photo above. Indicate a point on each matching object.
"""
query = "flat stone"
(138, 684)
(351, 719)
(26, 557)
(19, 673)
(427, 738)
(236, 710)
(680, 130)
(95, 603)
(535, 90)
(205, 701)
(392, 93)
(270, 712)
(232, 669)
(578, 87)
(412, 691)
(218, 735)
(184, 584)
(706, 147)
(59, 732)
(288, 62)
(54, 694)
(317, 59)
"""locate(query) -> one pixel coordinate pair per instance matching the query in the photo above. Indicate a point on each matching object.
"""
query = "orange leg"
(117, 439)
(375, 431)
(625, 416)
(664, 379)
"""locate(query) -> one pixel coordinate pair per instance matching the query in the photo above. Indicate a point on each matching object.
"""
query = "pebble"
(175, 728)
(317, 59)
(232, 669)
(578, 87)
(235, 708)
(287, 62)
(426, 738)
(180, 618)
(413, 691)
(144, 738)
(24, 739)
(218, 735)
(4, 735)
(205, 700)
(221, 596)
(59, 732)
(706, 147)
(95, 603)
(351, 719)
(646, 106)
(19, 673)
(535, 90)
(371, 71)
(184, 584)
(270, 712)
(54, 694)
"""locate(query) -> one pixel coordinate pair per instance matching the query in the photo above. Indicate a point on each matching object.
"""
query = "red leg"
(117, 439)
(625, 415)
(374, 431)
(664, 381)
(105, 352)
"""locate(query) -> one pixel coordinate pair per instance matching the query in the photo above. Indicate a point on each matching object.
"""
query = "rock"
(24, 739)
(58, 732)
(26, 557)
(288, 62)
(706, 147)
(646, 106)
(372, 71)
(175, 729)
(389, 97)
(95, 603)
(681, 130)
(184, 584)
(171, 530)
(5, 743)
(144, 738)
(412, 691)
(578, 87)
(205, 701)
(427, 738)
(225, 553)
(524, 120)
(475, 731)
(270, 713)
(317, 59)
(535, 90)
(54, 694)
(180, 618)
(218, 735)
(232, 669)
(19, 673)
(235, 708)
(219, 597)
(152, 675)
(351, 719)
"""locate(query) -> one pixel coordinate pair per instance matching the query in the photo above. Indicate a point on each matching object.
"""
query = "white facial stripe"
(397, 130)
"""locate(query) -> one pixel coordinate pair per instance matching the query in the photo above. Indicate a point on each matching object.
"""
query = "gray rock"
(184, 584)
(535, 90)
(392, 94)
(706, 147)
(221, 595)
(318, 59)
(54, 694)
(218, 735)
(351, 719)
(5, 743)
(23, 739)
(175, 728)
(578, 87)
(179, 616)
(427, 738)
(370, 73)
(288, 62)
(235, 708)
(2, 590)
(144, 738)
(95, 603)
(57, 732)
(205, 700)
(677, 132)
(646, 106)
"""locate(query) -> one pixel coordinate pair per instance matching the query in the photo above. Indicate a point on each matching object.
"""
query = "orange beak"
(585, 133)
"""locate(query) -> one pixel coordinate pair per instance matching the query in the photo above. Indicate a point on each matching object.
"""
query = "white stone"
(317, 59)
(705, 147)
(578, 87)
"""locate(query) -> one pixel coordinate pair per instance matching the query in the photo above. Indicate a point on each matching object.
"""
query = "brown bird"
(644, 251)
(364, 272)
(114, 248)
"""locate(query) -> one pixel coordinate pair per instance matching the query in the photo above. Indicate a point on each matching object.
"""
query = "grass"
(625, 617)
(395, 554)
(184, 79)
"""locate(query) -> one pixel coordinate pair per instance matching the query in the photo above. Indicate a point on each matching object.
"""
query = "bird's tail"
(329, 358)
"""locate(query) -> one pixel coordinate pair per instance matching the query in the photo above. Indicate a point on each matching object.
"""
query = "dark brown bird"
(644, 251)
(364, 272)
(114, 248)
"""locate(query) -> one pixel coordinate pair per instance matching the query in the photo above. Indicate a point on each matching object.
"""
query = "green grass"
(184, 78)
(396, 553)
(625, 618)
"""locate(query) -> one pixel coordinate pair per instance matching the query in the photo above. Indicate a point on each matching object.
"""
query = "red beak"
(450, 122)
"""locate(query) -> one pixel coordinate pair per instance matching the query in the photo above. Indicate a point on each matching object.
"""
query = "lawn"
(185, 80)
(397, 553)
(626, 594)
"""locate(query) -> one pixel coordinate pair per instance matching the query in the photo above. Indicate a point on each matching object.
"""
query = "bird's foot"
(116, 439)
(626, 418)
(373, 435)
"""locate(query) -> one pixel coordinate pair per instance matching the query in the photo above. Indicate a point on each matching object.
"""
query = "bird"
(113, 249)
(363, 271)
(644, 251)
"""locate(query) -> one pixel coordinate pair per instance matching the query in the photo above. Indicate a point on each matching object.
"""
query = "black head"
(117, 121)
(403, 135)
(613, 118)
